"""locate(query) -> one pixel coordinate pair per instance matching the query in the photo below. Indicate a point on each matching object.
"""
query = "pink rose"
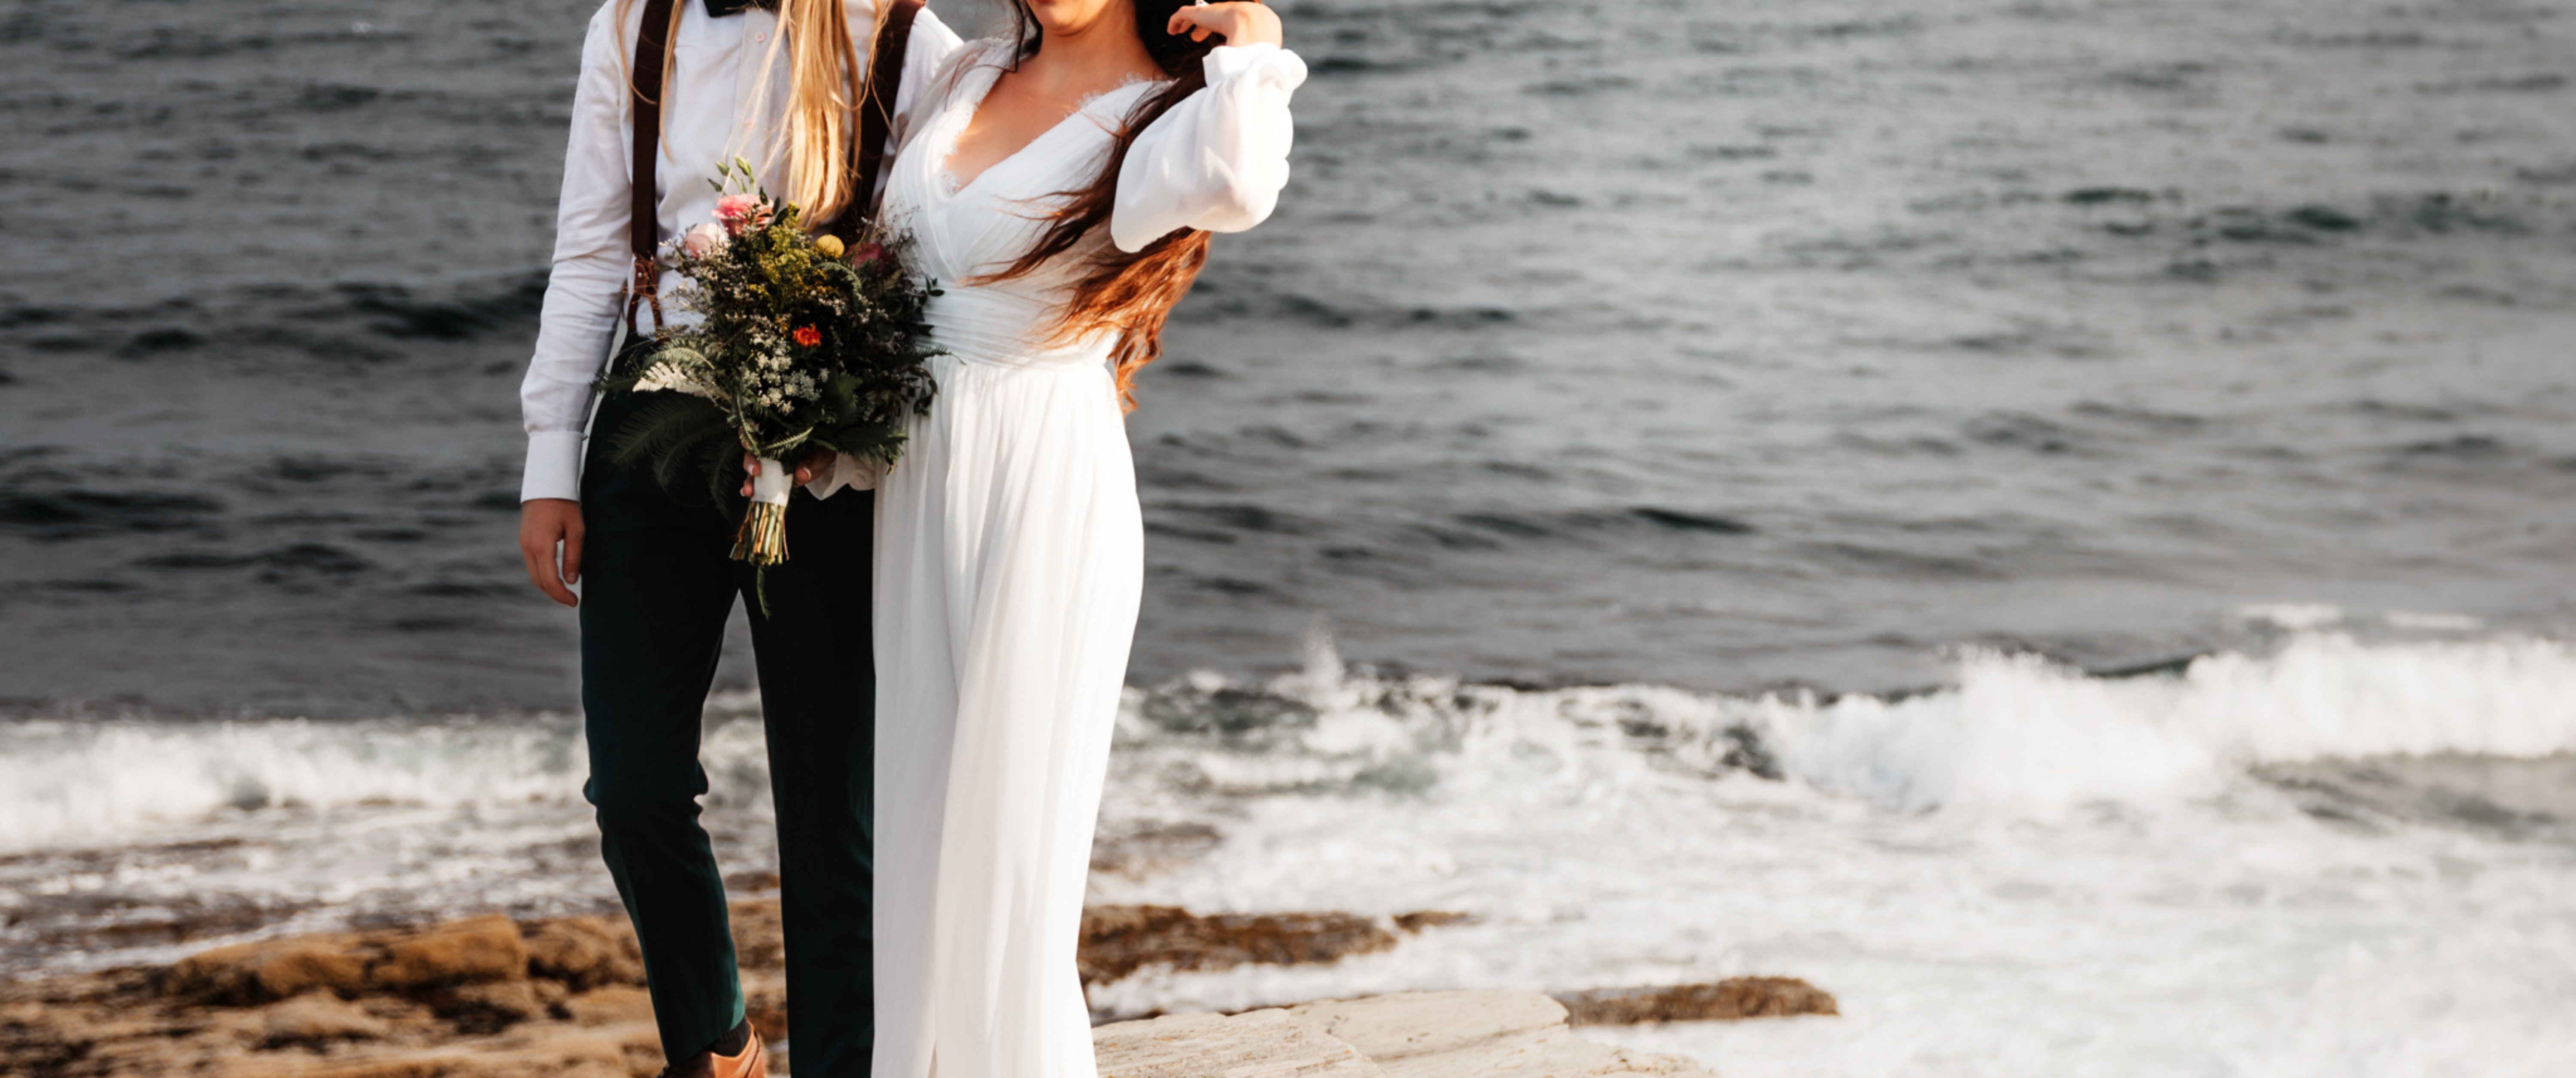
(702, 241)
(866, 253)
(740, 211)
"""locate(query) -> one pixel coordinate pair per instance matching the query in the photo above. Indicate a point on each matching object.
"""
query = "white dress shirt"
(715, 70)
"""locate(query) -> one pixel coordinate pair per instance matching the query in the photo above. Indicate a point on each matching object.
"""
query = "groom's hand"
(544, 525)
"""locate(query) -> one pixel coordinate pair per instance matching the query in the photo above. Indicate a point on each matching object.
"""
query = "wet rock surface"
(1729, 1000)
(564, 998)
(488, 996)
(467, 998)
(1119, 940)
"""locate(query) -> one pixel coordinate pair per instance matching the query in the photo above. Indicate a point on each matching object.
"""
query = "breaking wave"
(2016, 730)
(2012, 731)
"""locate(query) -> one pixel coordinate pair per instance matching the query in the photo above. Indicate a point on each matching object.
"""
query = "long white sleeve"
(847, 473)
(1218, 159)
(589, 276)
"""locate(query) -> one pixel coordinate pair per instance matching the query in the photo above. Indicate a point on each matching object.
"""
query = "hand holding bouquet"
(806, 343)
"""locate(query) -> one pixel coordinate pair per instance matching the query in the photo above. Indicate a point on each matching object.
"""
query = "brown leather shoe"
(751, 1062)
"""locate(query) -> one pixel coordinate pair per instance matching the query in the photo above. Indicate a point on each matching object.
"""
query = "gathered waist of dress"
(994, 327)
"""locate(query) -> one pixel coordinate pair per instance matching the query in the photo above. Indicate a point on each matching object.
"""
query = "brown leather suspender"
(644, 233)
(876, 122)
(876, 115)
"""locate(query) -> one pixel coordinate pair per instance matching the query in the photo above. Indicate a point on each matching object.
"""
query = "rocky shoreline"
(563, 998)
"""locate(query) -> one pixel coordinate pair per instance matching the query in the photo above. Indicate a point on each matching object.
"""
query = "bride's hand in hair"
(1238, 23)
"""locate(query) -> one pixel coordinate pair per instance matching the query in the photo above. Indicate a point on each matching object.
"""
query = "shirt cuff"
(847, 472)
(554, 466)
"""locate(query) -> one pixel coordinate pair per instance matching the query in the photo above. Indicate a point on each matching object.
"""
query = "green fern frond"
(662, 424)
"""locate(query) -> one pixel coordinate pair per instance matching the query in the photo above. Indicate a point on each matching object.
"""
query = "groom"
(659, 582)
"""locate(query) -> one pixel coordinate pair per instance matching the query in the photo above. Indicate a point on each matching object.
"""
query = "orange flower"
(808, 336)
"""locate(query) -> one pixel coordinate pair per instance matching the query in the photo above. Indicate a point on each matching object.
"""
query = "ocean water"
(1725, 345)
(2052, 521)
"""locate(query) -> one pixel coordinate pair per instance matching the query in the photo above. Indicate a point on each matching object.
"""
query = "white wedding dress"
(1009, 560)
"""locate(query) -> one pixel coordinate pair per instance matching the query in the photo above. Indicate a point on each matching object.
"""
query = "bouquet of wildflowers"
(805, 342)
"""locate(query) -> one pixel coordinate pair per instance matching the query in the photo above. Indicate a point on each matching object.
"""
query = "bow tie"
(720, 8)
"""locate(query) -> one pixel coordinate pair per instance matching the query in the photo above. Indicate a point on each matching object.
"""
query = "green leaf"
(670, 435)
(841, 394)
(871, 441)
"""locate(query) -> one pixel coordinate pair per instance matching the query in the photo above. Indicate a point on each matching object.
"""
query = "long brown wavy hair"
(1130, 293)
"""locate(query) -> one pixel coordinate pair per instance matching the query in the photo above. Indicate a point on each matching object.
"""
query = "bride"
(1061, 183)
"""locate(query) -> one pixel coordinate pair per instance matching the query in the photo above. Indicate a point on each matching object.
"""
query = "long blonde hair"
(826, 82)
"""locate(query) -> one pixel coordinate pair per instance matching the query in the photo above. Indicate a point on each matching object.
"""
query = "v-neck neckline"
(943, 178)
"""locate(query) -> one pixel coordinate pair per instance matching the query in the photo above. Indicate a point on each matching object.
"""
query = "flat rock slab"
(1410, 1035)
(1256, 1044)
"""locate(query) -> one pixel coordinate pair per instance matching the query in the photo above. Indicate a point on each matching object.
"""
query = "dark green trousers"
(658, 583)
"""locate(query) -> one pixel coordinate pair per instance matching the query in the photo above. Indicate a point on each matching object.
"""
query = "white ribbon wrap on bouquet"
(770, 487)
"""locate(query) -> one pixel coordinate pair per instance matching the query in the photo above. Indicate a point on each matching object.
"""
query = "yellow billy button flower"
(830, 246)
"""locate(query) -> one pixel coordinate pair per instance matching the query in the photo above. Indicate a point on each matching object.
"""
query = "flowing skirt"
(1009, 563)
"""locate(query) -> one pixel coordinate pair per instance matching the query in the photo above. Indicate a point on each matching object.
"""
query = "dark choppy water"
(1717, 344)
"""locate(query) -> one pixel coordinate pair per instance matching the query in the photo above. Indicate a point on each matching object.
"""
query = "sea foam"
(2017, 730)
(2013, 731)
(102, 781)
